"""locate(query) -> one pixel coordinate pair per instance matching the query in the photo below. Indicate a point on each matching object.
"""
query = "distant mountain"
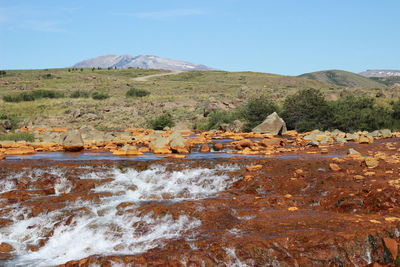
(342, 78)
(380, 73)
(143, 62)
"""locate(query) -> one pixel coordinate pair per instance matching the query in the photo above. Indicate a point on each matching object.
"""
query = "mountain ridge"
(380, 73)
(140, 61)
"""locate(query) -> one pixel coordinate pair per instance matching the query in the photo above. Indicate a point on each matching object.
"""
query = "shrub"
(79, 94)
(37, 94)
(32, 95)
(100, 95)
(22, 136)
(256, 110)
(306, 110)
(396, 109)
(47, 76)
(218, 117)
(353, 113)
(162, 121)
(135, 92)
(14, 120)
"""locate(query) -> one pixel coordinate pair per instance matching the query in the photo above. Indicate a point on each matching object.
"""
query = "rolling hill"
(343, 78)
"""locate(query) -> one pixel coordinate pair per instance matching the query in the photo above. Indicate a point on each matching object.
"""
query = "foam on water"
(98, 228)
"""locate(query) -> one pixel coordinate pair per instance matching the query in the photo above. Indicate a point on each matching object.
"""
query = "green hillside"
(184, 95)
(343, 78)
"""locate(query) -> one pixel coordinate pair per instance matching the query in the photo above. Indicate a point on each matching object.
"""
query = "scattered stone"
(371, 162)
(244, 143)
(293, 208)
(365, 139)
(218, 146)
(351, 137)
(352, 151)
(159, 145)
(5, 248)
(334, 167)
(72, 141)
(273, 124)
(392, 246)
(205, 148)
(314, 143)
(254, 168)
(178, 144)
(386, 133)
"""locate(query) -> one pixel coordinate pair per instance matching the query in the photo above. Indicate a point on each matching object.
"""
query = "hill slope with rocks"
(141, 61)
(342, 78)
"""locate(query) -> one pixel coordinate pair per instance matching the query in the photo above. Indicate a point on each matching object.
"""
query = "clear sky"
(280, 36)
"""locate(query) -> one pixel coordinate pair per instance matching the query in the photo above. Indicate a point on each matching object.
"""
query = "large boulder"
(72, 141)
(273, 124)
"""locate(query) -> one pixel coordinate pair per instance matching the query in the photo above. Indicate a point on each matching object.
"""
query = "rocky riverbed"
(145, 198)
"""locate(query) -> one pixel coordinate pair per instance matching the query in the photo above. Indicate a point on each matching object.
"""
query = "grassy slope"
(342, 78)
(184, 94)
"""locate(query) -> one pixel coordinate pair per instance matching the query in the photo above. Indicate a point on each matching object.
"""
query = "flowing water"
(91, 226)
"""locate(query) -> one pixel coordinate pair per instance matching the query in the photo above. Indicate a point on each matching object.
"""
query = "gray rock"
(72, 141)
(273, 124)
(314, 143)
(351, 137)
(159, 141)
(338, 133)
(386, 133)
(177, 141)
(352, 151)
(340, 140)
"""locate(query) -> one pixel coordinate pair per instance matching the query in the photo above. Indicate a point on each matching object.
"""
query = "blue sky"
(286, 36)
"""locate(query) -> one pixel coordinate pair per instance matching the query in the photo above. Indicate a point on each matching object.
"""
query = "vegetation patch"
(12, 119)
(135, 92)
(100, 95)
(32, 95)
(162, 121)
(80, 94)
(22, 136)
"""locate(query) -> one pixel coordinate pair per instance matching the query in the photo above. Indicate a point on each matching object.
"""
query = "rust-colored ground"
(298, 208)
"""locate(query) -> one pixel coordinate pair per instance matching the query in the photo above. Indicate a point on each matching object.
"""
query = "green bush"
(32, 95)
(22, 136)
(14, 120)
(218, 117)
(396, 109)
(162, 121)
(47, 76)
(79, 94)
(306, 110)
(135, 92)
(100, 95)
(256, 110)
(352, 113)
